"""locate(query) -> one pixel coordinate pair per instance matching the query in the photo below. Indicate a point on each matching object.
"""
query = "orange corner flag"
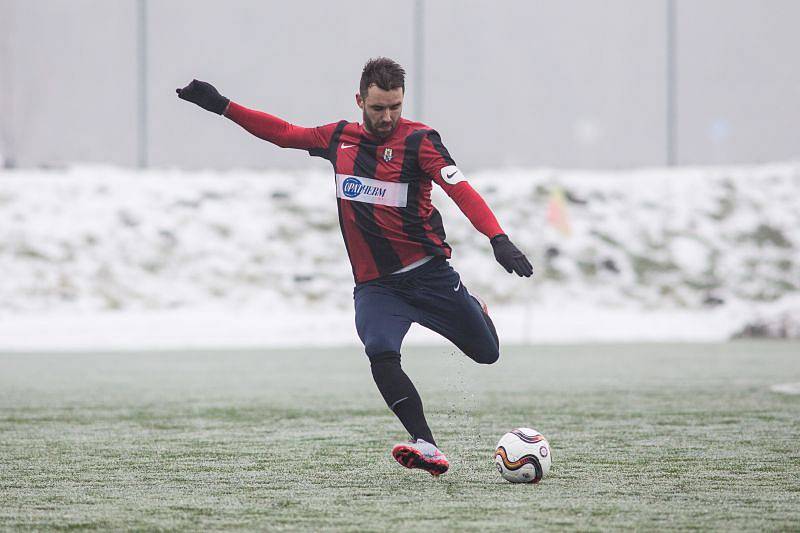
(557, 214)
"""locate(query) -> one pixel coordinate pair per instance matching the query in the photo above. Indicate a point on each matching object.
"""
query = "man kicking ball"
(394, 236)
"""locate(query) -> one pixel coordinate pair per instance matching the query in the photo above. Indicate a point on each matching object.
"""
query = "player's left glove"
(205, 95)
(510, 257)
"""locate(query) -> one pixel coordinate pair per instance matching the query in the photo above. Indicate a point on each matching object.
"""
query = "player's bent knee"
(378, 345)
(490, 357)
(386, 357)
(485, 355)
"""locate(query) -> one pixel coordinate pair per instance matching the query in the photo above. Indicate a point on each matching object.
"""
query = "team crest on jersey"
(387, 154)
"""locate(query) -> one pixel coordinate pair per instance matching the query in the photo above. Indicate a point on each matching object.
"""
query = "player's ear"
(359, 101)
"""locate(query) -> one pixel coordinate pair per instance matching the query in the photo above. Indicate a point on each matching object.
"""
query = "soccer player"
(394, 237)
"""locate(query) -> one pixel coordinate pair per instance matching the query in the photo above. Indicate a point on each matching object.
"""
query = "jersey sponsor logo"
(452, 175)
(346, 146)
(371, 191)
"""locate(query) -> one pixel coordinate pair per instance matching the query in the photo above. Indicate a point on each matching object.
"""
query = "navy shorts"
(431, 295)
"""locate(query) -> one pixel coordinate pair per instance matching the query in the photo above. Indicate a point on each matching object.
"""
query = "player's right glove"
(205, 95)
(510, 257)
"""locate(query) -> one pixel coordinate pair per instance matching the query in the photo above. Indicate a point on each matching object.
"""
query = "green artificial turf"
(644, 436)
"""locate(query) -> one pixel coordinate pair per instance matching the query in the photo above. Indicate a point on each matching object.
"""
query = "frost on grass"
(644, 437)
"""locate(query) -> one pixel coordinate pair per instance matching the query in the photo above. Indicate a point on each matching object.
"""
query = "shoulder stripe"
(436, 140)
(435, 220)
(335, 142)
(411, 173)
(325, 152)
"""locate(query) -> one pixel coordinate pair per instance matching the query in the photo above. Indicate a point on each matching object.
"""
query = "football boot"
(421, 454)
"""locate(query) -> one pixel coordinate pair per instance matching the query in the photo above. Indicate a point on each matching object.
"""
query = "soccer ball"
(523, 456)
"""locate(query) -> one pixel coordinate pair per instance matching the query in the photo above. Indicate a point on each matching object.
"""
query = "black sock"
(400, 394)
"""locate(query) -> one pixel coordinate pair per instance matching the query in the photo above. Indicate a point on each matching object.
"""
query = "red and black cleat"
(422, 455)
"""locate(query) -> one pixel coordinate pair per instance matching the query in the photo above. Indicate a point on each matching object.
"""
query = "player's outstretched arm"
(478, 212)
(262, 125)
(435, 160)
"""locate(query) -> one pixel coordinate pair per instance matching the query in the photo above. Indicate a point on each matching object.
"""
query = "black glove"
(508, 255)
(205, 95)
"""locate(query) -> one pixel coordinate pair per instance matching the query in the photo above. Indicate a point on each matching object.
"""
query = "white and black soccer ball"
(523, 456)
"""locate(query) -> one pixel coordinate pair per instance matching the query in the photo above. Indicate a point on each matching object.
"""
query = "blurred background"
(644, 152)
(535, 83)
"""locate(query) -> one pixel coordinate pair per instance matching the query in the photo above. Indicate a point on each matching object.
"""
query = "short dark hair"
(386, 73)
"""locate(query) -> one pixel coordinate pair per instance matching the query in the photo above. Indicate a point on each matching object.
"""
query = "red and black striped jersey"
(383, 187)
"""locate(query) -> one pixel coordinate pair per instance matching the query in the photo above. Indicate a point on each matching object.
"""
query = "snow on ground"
(786, 388)
(120, 259)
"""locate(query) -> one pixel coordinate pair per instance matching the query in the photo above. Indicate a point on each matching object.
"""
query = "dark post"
(671, 107)
(419, 59)
(141, 19)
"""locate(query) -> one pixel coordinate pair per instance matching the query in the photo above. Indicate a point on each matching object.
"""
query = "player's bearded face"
(382, 110)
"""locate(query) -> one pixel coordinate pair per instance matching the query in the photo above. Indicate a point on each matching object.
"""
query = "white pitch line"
(786, 388)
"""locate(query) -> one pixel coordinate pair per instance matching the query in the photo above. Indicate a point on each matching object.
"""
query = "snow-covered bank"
(105, 257)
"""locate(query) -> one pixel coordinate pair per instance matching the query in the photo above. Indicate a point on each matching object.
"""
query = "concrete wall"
(575, 83)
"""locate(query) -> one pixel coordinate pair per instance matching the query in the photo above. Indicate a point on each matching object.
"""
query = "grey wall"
(575, 83)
